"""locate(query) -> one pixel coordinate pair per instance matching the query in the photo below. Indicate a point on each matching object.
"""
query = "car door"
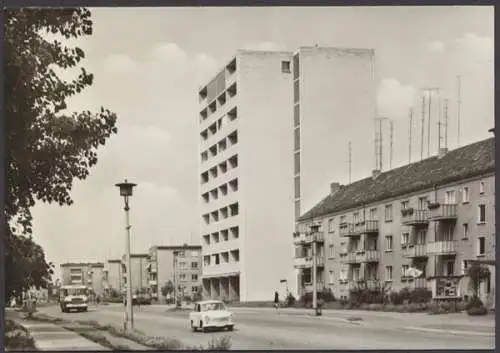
(194, 315)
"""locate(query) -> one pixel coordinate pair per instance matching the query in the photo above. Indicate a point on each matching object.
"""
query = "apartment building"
(139, 272)
(114, 275)
(89, 274)
(179, 264)
(266, 126)
(436, 216)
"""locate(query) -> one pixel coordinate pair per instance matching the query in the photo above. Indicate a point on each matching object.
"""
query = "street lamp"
(126, 192)
(314, 229)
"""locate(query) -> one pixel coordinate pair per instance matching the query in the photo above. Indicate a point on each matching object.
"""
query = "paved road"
(295, 329)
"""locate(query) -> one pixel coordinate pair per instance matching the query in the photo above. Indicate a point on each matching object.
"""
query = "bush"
(325, 295)
(219, 344)
(17, 338)
(420, 295)
(475, 311)
(290, 300)
(475, 307)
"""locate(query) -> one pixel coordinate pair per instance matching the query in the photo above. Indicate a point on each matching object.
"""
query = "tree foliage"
(47, 147)
(167, 289)
(477, 274)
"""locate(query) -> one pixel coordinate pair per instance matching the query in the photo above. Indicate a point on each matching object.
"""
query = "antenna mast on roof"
(391, 140)
(350, 161)
(430, 90)
(446, 123)
(380, 142)
(423, 126)
(459, 101)
(409, 135)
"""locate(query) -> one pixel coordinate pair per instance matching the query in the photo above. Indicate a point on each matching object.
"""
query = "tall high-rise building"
(273, 129)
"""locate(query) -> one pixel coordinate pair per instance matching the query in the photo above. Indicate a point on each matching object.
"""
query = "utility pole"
(430, 90)
(409, 137)
(459, 102)
(380, 143)
(423, 126)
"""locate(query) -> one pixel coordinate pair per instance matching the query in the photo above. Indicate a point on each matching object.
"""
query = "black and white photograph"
(249, 178)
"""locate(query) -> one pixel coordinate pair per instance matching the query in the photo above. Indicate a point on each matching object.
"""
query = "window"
(388, 243)
(449, 197)
(405, 204)
(182, 276)
(331, 226)
(388, 213)
(481, 244)
(355, 217)
(388, 273)
(182, 264)
(465, 194)
(465, 227)
(285, 67)
(331, 251)
(356, 274)
(481, 187)
(481, 214)
(373, 214)
(450, 268)
(194, 290)
(422, 202)
(464, 267)
(194, 265)
(405, 238)
(331, 277)
(194, 277)
(421, 237)
(342, 219)
(404, 270)
(343, 274)
(343, 247)
(195, 253)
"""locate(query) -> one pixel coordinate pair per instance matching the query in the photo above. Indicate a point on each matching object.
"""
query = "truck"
(73, 297)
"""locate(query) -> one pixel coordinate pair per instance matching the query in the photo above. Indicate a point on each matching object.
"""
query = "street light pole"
(314, 230)
(126, 192)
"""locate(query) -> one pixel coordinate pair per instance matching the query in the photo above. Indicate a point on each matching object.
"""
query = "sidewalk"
(48, 336)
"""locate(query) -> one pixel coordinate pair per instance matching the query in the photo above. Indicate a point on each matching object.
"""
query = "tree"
(167, 289)
(47, 147)
(477, 274)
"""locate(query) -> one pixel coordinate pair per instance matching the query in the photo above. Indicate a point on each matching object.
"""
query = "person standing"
(276, 300)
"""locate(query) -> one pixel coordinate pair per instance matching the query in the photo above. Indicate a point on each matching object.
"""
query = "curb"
(451, 332)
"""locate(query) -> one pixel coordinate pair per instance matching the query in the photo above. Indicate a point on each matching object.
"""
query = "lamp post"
(126, 192)
(313, 231)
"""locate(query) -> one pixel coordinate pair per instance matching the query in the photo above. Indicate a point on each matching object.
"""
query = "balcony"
(153, 282)
(354, 257)
(366, 227)
(447, 247)
(299, 238)
(412, 217)
(444, 212)
(317, 237)
(307, 262)
(347, 230)
(320, 286)
(420, 282)
(415, 250)
(371, 256)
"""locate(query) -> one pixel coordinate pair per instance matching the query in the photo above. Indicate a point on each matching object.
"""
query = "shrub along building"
(417, 226)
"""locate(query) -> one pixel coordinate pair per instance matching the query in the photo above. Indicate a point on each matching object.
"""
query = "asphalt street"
(297, 329)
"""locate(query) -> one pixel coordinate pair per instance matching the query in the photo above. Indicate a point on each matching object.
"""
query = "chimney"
(442, 152)
(334, 187)
(375, 173)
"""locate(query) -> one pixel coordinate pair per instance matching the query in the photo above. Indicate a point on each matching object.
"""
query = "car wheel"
(84, 309)
(203, 329)
(192, 326)
(230, 328)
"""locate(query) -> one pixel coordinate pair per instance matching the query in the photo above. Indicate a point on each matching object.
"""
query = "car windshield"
(213, 307)
(74, 291)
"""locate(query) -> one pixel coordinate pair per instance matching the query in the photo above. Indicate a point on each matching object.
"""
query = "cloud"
(395, 99)
(169, 52)
(119, 63)
(436, 46)
(265, 46)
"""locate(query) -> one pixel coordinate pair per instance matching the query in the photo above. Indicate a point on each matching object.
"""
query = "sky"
(149, 63)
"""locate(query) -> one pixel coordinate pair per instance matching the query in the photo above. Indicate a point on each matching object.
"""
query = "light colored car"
(211, 314)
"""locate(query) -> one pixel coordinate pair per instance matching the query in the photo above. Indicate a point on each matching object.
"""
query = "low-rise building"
(181, 265)
(114, 276)
(139, 272)
(419, 225)
(84, 273)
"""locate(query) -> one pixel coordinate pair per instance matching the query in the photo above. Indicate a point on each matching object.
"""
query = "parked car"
(211, 314)
(139, 299)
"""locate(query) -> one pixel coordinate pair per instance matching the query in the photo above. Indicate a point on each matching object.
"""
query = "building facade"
(139, 272)
(180, 265)
(89, 274)
(259, 119)
(114, 276)
(436, 216)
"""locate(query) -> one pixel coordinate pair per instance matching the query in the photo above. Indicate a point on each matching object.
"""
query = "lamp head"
(125, 188)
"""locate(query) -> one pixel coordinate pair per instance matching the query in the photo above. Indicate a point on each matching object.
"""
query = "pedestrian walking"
(276, 301)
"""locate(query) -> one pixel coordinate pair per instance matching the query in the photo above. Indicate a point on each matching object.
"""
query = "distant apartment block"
(179, 264)
(268, 121)
(436, 216)
(114, 276)
(139, 272)
(88, 274)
